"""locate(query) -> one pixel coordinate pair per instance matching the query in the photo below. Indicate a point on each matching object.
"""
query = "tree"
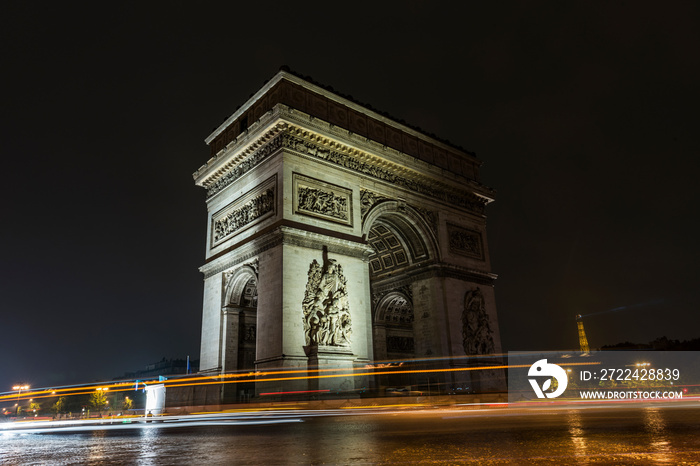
(34, 408)
(128, 403)
(60, 405)
(98, 400)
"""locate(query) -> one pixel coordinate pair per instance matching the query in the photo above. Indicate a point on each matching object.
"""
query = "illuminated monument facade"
(338, 237)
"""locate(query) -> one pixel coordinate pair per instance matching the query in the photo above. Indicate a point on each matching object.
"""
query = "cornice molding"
(312, 145)
(318, 241)
(257, 136)
(406, 163)
(233, 162)
(242, 254)
(290, 236)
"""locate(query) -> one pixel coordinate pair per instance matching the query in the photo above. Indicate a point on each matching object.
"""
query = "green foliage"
(60, 405)
(34, 408)
(98, 400)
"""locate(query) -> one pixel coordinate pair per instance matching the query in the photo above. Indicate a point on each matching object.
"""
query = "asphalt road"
(661, 433)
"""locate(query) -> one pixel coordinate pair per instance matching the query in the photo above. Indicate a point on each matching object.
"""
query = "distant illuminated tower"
(583, 341)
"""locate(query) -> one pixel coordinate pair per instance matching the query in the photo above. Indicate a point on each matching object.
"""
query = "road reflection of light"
(148, 446)
(578, 437)
(655, 425)
(97, 453)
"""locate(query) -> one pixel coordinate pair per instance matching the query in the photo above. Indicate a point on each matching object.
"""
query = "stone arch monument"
(339, 237)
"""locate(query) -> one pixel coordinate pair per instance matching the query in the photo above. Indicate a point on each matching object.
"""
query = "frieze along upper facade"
(340, 238)
(432, 188)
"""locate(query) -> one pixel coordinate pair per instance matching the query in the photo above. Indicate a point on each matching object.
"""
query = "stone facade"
(338, 237)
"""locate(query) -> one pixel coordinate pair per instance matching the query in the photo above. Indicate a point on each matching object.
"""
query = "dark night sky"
(583, 114)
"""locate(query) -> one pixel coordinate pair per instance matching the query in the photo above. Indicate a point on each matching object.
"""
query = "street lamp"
(19, 389)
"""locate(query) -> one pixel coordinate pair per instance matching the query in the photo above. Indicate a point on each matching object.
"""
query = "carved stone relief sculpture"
(236, 219)
(327, 319)
(477, 336)
(250, 334)
(368, 199)
(455, 197)
(430, 218)
(243, 212)
(465, 241)
(322, 200)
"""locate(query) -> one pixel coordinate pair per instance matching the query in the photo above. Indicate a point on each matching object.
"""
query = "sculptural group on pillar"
(477, 336)
(327, 320)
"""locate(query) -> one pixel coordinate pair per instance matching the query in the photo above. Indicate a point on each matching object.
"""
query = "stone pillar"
(229, 349)
(212, 319)
(289, 273)
(474, 335)
(379, 332)
(331, 369)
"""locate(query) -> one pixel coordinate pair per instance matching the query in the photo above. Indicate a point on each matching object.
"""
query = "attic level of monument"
(299, 94)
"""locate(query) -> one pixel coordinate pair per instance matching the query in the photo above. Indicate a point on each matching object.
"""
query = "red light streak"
(296, 392)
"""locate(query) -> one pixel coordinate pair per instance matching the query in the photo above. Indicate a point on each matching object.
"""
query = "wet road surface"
(665, 433)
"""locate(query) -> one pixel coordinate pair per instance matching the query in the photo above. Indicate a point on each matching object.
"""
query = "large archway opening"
(403, 245)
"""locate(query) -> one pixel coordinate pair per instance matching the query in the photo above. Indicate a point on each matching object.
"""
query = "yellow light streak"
(259, 376)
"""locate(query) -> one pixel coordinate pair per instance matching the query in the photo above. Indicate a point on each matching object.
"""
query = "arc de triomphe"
(337, 237)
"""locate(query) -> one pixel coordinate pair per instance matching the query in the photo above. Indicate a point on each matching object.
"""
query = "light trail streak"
(296, 392)
(269, 376)
(262, 417)
(144, 425)
(241, 418)
(129, 385)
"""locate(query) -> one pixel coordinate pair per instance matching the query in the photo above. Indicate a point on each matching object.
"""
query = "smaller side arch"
(238, 336)
(393, 328)
(394, 308)
(236, 283)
